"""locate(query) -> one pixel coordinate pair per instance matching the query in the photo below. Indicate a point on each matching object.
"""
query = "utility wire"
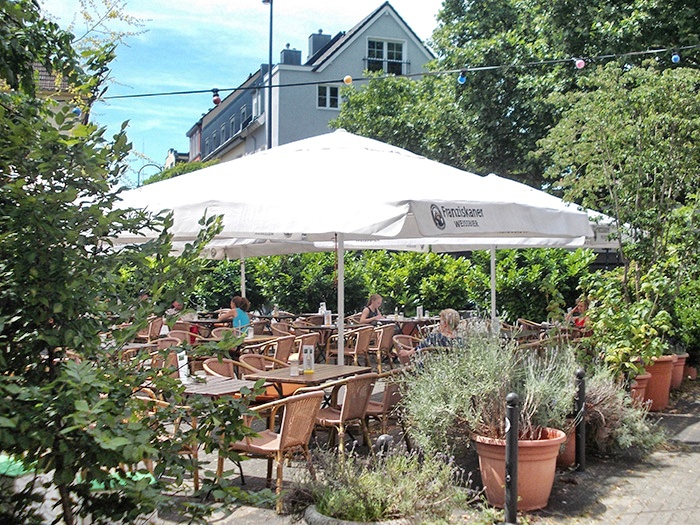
(422, 74)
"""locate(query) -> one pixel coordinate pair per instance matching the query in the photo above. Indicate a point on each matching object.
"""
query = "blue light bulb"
(675, 58)
(462, 78)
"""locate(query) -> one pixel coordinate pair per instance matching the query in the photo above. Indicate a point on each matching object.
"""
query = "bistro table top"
(280, 315)
(322, 373)
(214, 386)
(258, 338)
(206, 320)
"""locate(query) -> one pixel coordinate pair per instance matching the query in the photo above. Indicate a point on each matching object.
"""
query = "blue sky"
(205, 44)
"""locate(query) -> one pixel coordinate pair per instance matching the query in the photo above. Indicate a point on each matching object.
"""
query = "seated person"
(578, 318)
(370, 313)
(446, 334)
(176, 310)
(238, 314)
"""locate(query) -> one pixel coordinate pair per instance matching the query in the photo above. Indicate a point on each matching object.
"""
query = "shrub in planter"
(628, 327)
(463, 391)
(465, 388)
(615, 424)
(378, 488)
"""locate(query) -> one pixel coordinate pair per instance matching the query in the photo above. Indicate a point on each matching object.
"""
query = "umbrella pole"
(340, 254)
(493, 288)
(243, 283)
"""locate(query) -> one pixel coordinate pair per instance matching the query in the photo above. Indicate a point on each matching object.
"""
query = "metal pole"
(511, 496)
(268, 119)
(580, 420)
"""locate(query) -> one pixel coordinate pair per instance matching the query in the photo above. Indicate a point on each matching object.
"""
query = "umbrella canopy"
(312, 189)
(342, 187)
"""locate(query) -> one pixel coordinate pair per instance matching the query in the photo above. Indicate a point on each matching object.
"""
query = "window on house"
(328, 97)
(234, 129)
(385, 56)
(244, 116)
(256, 102)
(223, 133)
(207, 149)
(215, 140)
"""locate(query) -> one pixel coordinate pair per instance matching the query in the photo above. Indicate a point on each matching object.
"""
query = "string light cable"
(579, 62)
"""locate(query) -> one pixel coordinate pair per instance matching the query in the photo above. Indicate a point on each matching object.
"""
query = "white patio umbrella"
(341, 187)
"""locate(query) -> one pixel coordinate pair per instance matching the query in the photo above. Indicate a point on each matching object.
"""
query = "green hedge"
(532, 283)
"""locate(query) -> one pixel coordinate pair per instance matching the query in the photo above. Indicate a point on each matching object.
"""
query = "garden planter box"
(536, 468)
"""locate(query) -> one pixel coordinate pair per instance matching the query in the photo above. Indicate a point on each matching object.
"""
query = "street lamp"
(268, 119)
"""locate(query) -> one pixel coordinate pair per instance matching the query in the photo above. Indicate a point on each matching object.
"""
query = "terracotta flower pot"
(690, 372)
(567, 452)
(677, 373)
(536, 468)
(659, 385)
(639, 387)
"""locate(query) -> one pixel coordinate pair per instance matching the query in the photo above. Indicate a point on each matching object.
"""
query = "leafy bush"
(535, 283)
(614, 424)
(629, 329)
(687, 320)
(462, 390)
(398, 485)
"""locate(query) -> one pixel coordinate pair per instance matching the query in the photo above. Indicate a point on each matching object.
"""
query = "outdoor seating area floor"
(659, 489)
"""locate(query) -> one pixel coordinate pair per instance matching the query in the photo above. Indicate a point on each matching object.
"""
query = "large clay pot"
(690, 372)
(677, 373)
(536, 468)
(659, 385)
(567, 452)
(639, 387)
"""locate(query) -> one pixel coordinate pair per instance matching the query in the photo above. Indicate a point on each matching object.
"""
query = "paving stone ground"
(663, 489)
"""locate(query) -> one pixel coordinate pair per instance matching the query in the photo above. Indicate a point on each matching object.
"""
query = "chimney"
(317, 41)
(290, 57)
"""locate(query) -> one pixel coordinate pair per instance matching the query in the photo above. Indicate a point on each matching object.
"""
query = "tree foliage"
(179, 169)
(67, 413)
(492, 122)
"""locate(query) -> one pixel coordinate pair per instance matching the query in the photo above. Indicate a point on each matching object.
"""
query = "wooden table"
(322, 374)
(214, 386)
(257, 339)
(130, 350)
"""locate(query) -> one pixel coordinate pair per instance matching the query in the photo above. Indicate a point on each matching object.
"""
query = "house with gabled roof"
(306, 95)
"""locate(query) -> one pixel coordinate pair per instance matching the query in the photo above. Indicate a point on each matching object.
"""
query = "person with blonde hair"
(370, 313)
(446, 334)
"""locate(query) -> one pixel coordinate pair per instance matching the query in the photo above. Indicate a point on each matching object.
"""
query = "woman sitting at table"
(238, 314)
(446, 334)
(370, 313)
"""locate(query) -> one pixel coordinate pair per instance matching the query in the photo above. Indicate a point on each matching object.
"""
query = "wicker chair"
(294, 433)
(405, 346)
(356, 344)
(310, 339)
(151, 332)
(383, 344)
(220, 367)
(358, 390)
(384, 409)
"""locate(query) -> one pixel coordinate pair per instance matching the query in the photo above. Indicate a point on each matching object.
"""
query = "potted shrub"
(463, 390)
(631, 330)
